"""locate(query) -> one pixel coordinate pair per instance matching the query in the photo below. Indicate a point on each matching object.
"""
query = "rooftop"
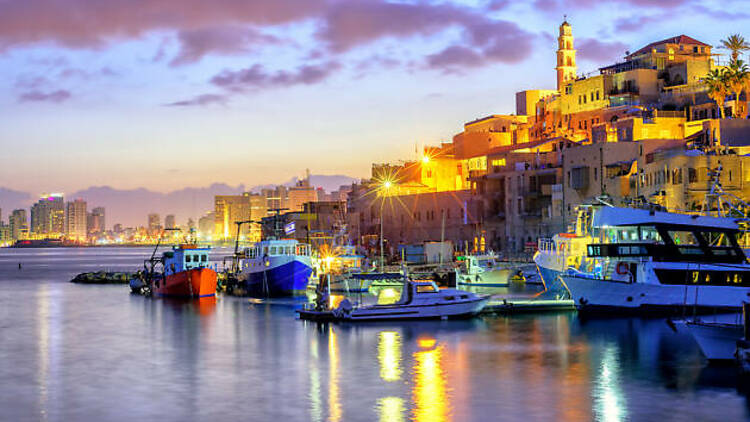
(679, 39)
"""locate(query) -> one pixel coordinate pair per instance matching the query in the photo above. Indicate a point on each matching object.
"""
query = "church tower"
(566, 56)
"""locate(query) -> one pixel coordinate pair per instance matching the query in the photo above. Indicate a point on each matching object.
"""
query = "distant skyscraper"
(154, 222)
(229, 209)
(190, 224)
(48, 215)
(117, 228)
(96, 220)
(19, 225)
(75, 220)
(206, 225)
(169, 221)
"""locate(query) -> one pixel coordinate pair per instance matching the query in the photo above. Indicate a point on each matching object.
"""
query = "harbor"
(375, 210)
(197, 357)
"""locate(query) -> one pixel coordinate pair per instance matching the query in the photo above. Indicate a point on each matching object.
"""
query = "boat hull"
(287, 279)
(596, 295)
(465, 309)
(716, 341)
(193, 283)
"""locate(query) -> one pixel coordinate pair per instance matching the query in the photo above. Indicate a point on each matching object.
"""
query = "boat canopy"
(617, 216)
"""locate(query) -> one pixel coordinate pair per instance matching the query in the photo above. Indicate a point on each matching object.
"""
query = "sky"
(165, 94)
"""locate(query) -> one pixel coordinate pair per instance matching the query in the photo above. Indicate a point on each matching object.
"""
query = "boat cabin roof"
(617, 216)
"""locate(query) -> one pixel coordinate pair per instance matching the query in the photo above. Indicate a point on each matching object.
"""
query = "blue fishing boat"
(275, 268)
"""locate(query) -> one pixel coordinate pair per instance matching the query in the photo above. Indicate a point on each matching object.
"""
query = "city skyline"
(248, 94)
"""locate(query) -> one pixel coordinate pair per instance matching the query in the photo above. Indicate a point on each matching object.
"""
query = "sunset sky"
(166, 94)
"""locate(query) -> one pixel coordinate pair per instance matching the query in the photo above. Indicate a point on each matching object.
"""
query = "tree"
(717, 83)
(737, 77)
(736, 44)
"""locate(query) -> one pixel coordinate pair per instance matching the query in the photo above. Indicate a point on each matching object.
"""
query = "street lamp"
(383, 189)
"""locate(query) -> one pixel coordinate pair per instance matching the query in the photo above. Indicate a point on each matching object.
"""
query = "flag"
(289, 228)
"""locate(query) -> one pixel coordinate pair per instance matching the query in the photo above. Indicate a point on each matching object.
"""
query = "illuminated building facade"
(594, 135)
(48, 216)
(75, 220)
(96, 221)
(19, 224)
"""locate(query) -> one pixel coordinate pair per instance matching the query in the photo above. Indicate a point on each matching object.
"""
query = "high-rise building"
(48, 215)
(228, 210)
(154, 223)
(566, 56)
(75, 220)
(96, 220)
(117, 228)
(19, 225)
(206, 226)
(169, 222)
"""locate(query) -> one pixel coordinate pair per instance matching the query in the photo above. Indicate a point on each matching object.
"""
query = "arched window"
(569, 61)
(569, 45)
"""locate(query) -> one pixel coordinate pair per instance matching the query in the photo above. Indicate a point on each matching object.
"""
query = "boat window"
(204, 258)
(273, 250)
(426, 288)
(288, 250)
(682, 237)
(649, 234)
(187, 258)
(265, 250)
(717, 238)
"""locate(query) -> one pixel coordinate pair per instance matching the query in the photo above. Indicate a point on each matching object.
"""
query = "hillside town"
(660, 127)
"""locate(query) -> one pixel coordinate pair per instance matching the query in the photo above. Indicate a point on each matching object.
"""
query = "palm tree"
(717, 83)
(737, 76)
(736, 44)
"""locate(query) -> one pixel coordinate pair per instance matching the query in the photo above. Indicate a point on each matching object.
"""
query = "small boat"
(185, 273)
(275, 267)
(483, 271)
(418, 300)
(717, 340)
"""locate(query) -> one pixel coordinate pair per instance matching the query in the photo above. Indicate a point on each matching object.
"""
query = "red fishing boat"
(186, 273)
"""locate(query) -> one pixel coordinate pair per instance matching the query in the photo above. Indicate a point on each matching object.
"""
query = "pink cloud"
(39, 96)
(90, 23)
(257, 77)
(196, 43)
(201, 100)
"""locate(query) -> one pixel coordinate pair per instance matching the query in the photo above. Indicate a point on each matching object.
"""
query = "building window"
(592, 96)
(692, 175)
(597, 95)
(595, 173)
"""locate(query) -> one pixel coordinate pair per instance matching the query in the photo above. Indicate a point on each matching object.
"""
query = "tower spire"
(566, 55)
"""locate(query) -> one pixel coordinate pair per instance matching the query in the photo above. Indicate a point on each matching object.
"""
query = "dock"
(508, 305)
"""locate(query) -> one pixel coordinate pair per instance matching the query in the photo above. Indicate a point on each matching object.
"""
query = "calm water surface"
(96, 353)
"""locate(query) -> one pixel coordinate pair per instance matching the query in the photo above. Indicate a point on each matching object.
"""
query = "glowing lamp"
(425, 159)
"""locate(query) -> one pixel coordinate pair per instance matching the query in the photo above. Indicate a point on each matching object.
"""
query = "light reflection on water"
(71, 352)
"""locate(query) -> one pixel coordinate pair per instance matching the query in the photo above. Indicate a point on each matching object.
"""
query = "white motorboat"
(646, 260)
(417, 300)
(482, 271)
(717, 340)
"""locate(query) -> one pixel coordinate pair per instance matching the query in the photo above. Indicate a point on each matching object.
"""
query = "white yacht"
(418, 300)
(646, 260)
